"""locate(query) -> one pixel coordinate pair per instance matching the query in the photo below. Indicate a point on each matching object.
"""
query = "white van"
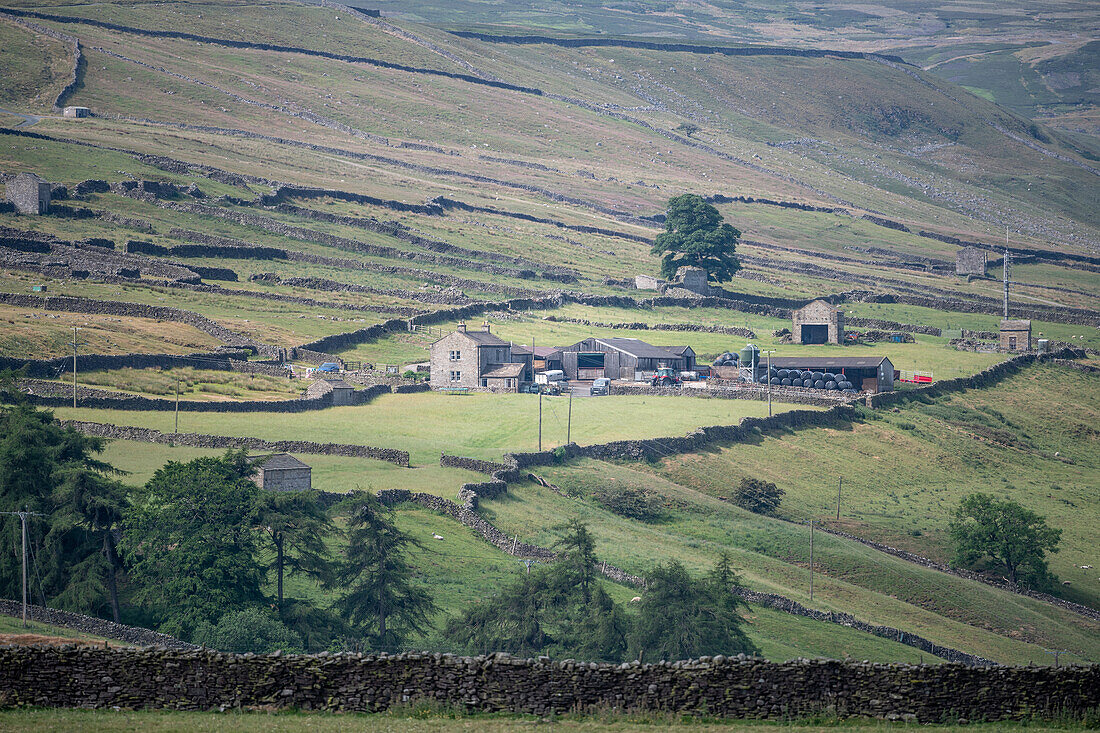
(549, 377)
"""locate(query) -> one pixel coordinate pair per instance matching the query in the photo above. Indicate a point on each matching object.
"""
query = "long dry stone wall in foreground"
(720, 686)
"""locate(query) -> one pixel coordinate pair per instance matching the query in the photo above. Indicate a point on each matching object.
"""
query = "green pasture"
(773, 556)
(34, 69)
(329, 473)
(477, 424)
(14, 625)
(205, 385)
(1031, 439)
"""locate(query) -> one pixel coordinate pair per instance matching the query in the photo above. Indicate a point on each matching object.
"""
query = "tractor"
(665, 377)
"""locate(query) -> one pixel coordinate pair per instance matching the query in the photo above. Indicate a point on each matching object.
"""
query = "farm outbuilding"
(618, 358)
(970, 261)
(866, 373)
(1015, 335)
(282, 472)
(341, 391)
(29, 193)
(819, 322)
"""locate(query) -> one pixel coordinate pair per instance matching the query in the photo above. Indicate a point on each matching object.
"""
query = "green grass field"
(196, 384)
(478, 425)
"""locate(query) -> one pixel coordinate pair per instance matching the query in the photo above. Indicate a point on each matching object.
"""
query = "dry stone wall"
(200, 440)
(728, 687)
(52, 368)
(134, 635)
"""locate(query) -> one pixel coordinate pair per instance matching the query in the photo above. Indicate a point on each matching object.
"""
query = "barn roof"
(827, 362)
(278, 462)
(1007, 325)
(541, 352)
(636, 347)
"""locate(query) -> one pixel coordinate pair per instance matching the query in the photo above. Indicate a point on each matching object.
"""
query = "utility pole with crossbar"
(23, 521)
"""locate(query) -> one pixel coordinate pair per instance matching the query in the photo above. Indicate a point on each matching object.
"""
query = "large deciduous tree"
(1014, 537)
(696, 236)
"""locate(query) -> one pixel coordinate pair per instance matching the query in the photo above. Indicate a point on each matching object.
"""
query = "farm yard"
(280, 209)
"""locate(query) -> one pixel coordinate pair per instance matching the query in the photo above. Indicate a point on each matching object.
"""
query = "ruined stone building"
(29, 193)
(819, 322)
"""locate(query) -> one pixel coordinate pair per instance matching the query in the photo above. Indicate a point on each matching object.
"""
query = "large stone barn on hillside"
(970, 261)
(620, 358)
(282, 472)
(818, 322)
(29, 193)
(479, 359)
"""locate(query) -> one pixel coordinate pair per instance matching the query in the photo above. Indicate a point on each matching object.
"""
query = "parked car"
(329, 367)
(601, 386)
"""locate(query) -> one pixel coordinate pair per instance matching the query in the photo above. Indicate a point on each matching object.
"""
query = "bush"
(758, 496)
(254, 629)
(645, 506)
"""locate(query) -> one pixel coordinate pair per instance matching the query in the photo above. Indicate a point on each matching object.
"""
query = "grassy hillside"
(460, 171)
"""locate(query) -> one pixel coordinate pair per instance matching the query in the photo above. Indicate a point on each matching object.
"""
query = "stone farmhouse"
(29, 193)
(281, 472)
(621, 358)
(479, 360)
(1015, 335)
(818, 322)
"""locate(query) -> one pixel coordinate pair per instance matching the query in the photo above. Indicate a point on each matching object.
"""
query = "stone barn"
(77, 112)
(29, 193)
(282, 472)
(1015, 335)
(342, 393)
(819, 322)
(970, 261)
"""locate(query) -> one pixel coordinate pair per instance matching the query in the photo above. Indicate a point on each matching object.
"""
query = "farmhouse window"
(456, 376)
(456, 355)
(1012, 342)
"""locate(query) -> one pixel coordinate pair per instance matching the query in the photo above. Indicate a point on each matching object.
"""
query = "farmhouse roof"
(278, 462)
(1007, 325)
(484, 338)
(520, 349)
(827, 362)
(636, 347)
(499, 371)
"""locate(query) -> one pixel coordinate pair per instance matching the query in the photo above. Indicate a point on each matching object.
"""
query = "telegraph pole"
(1006, 272)
(1057, 653)
(540, 421)
(74, 379)
(23, 521)
(811, 559)
(839, 486)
